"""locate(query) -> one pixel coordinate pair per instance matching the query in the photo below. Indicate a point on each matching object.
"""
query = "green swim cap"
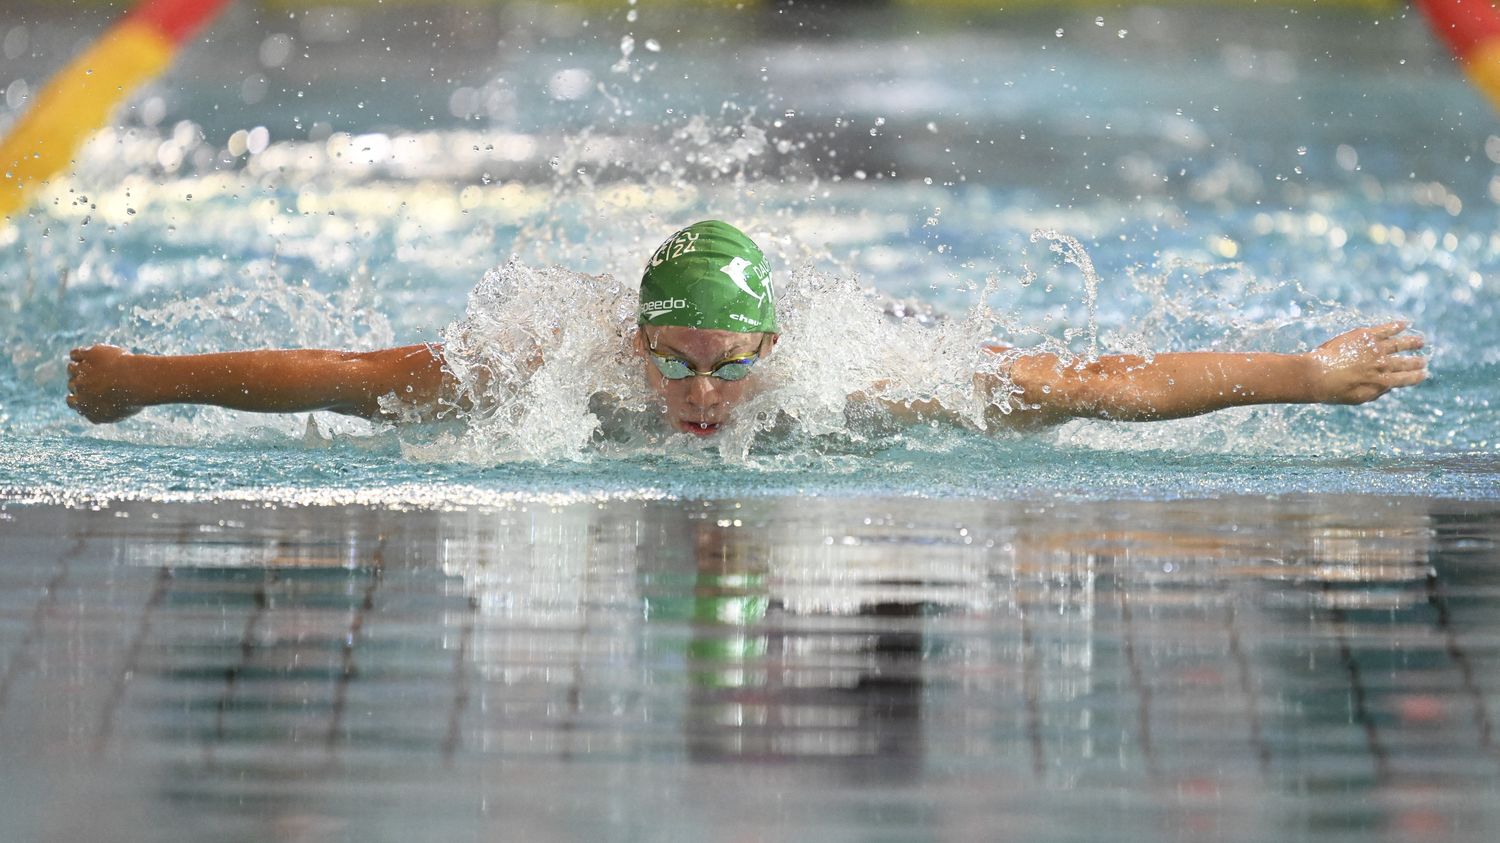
(709, 275)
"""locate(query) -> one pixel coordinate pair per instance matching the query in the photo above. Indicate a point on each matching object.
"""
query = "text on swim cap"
(735, 269)
(653, 309)
(678, 244)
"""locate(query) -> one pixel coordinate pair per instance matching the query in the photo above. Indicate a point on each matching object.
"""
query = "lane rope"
(80, 98)
(1471, 29)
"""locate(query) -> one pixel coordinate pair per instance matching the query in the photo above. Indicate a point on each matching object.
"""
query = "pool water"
(1311, 667)
(1270, 623)
(1261, 191)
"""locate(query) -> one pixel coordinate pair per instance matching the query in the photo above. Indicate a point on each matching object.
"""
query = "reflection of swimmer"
(707, 316)
(768, 684)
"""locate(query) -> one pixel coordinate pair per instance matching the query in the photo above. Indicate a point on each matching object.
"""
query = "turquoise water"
(1261, 190)
(1267, 624)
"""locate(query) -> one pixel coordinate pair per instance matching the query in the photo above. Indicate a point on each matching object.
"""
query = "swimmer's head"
(707, 317)
(709, 276)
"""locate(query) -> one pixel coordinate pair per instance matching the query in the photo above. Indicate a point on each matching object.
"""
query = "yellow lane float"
(79, 99)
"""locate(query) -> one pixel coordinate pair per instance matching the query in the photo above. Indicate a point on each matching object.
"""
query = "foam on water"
(536, 349)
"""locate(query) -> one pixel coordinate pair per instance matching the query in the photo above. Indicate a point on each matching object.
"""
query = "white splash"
(542, 354)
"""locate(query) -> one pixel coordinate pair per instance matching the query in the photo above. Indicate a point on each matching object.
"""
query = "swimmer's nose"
(702, 392)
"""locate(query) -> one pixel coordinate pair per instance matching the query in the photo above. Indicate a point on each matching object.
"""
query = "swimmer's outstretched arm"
(107, 383)
(1352, 368)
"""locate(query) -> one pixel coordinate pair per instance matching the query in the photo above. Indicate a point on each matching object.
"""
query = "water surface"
(1238, 669)
(1257, 179)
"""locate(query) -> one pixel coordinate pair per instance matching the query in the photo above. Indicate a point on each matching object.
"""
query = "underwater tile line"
(352, 638)
(1031, 685)
(130, 663)
(461, 672)
(1247, 688)
(232, 674)
(20, 653)
(1460, 658)
(1138, 683)
(1379, 755)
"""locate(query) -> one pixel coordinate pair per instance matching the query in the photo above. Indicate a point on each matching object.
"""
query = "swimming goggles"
(674, 369)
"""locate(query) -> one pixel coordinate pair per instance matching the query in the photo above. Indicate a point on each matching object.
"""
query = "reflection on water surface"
(1246, 668)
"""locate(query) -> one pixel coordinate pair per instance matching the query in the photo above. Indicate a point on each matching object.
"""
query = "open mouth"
(698, 428)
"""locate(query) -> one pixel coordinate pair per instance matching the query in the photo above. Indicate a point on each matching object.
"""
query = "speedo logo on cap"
(653, 309)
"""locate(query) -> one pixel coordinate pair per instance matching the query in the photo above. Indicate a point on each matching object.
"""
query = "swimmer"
(707, 318)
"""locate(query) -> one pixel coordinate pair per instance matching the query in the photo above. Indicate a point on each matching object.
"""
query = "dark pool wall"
(1251, 669)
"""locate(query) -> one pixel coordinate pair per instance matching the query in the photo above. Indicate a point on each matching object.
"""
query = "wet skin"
(107, 383)
(700, 404)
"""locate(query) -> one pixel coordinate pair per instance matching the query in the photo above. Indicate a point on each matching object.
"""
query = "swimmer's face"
(700, 404)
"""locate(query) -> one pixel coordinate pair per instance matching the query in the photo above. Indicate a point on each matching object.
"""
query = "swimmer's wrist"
(147, 380)
(1310, 377)
(134, 381)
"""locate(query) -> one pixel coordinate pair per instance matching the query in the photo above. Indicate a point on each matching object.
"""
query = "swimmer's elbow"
(1021, 417)
(1049, 392)
(393, 384)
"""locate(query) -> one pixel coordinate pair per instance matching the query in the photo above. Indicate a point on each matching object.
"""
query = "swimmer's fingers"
(97, 350)
(1406, 342)
(1389, 329)
(1392, 380)
(1404, 364)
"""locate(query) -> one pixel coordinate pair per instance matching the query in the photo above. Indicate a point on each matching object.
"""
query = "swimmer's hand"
(1366, 363)
(100, 383)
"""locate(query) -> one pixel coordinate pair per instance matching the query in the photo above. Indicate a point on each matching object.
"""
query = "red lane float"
(79, 99)
(1471, 29)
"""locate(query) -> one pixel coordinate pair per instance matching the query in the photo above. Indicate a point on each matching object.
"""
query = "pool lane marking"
(35, 627)
(569, 726)
(1460, 657)
(232, 674)
(1247, 686)
(131, 661)
(347, 668)
(1031, 685)
(1137, 682)
(1378, 753)
(460, 683)
(80, 98)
